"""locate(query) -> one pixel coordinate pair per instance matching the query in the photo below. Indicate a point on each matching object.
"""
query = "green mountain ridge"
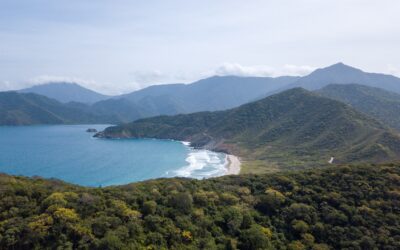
(27, 109)
(292, 129)
(378, 103)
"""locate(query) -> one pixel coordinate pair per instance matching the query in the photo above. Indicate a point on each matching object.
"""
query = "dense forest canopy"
(343, 207)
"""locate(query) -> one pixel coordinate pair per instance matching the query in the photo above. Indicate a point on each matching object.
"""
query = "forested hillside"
(346, 207)
(293, 129)
(378, 103)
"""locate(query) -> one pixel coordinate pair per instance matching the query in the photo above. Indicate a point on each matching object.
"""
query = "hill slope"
(336, 208)
(27, 109)
(66, 92)
(378, 103)
(342, 74)
(288, 129)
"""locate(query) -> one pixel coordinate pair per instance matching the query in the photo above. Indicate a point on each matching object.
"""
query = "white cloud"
(393, 70)
(262, 70)
(43, 79)
(143, 79)
(139, 80)
(101, 87)
(240, 70)
(6, 85)
(90, 84)
(104, 88)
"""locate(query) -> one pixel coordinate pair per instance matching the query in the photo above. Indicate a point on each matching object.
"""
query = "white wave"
(186, 143)
(203, 164)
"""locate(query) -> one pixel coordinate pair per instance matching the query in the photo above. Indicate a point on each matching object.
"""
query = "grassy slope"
(378, 103)
(293, 129)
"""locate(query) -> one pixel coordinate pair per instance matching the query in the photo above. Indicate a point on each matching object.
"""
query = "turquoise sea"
(69, 153)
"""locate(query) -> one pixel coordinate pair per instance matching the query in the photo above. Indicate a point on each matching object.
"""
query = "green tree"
(149, 207)
(254, 238)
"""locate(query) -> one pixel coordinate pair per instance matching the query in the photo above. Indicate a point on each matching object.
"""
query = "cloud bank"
(393, 70)
(262, 70)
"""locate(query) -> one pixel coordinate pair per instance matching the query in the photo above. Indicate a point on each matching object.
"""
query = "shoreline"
(232, 162)
(233, 165)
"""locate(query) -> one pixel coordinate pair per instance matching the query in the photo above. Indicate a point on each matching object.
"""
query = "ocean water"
(69, 153)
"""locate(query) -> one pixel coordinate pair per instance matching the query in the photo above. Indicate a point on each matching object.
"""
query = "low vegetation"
(346, 207)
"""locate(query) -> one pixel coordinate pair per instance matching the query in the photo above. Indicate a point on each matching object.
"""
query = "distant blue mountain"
(66, 92)
(210, 94)
(343, 74)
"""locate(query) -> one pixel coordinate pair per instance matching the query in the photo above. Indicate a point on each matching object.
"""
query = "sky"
(123, 45)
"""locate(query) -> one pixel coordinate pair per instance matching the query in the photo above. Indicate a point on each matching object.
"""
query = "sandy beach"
(233, 165)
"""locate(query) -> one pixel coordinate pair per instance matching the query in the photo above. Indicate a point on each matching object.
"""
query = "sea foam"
(202, 164)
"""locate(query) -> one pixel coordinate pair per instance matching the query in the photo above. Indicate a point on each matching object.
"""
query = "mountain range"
(214, 93)
(210, 94)
(295, 128)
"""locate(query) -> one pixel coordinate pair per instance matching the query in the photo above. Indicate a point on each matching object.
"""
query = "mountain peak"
(66, 92)
(341, 73)
(339, 64)
(340, 67)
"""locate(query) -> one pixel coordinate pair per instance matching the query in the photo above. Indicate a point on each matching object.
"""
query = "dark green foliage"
(343, 207)
(254, 238)
(378, 103)
(149, 207)
(295, 128)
